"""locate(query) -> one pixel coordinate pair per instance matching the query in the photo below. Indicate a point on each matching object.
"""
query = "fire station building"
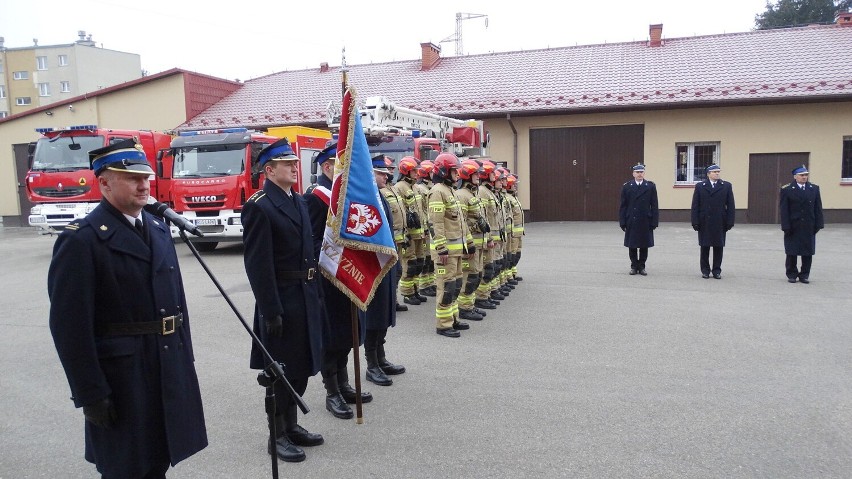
(572, 121)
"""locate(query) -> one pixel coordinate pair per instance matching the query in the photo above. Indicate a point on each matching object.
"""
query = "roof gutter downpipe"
(514, 143)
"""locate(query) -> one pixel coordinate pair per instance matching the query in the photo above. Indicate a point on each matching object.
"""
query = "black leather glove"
(623, 228)
(275, 326)
(101, 413)
(471, 249)
(697, 227)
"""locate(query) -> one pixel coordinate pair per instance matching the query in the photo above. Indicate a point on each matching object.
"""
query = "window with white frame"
(846, 161)
(41, 63)
(2, 91)
(4, 114)
(23, 100)
(63, 60)
(44, 89)
(65, 86)
(21, 75)
(691, 159)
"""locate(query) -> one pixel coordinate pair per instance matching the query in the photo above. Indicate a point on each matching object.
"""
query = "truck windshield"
(209, 161)
(56, 154)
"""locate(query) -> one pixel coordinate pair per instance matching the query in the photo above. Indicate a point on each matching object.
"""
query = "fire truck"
(213, 172)
(397, 131)
(60, 182)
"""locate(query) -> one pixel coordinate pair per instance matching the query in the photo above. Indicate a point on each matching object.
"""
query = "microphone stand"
(274, 372)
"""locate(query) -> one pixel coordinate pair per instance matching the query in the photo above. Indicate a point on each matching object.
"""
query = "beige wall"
(158, 105)
(814, 128)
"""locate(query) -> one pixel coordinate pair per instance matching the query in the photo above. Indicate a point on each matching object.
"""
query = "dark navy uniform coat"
(337, 305)
(801, 218)
(639, 212)
(103, 272)
(277, 237)
(381, 312)
(713, 211)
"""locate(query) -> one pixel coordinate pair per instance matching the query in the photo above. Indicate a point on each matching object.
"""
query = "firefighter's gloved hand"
(275, 326)
(697, 227)
(101, 413)
(443, 258)
(471, 250)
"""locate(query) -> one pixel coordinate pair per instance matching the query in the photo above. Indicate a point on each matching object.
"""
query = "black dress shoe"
(479, 311)
(484, 304)
(804, 280)
(705, 275)
(390, 368)
(717, 275)
(401, 307)
(301, 437)
(286, 450)
(633, 271)
(348, 393)
(376, 376)
(460, 326)
(412, 300)
(791, 280)
(449, 332)
(469, 315)
(643, 272)
(336, 405)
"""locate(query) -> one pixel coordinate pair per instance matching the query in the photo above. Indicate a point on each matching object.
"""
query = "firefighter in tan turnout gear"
(515, 240)
(398, 211)
(487, 296)
(451, 241)
(505, 220)
(413, 259)
(426, 278)
(474, 214)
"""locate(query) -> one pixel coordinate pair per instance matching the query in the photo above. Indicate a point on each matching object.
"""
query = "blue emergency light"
(415, 133)
(43, 130)
(83, 127)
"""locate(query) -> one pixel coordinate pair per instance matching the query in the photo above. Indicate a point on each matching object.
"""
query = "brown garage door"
(767, 172)
(576, 173)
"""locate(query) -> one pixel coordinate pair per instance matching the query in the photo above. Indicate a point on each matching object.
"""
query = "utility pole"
(457, 37)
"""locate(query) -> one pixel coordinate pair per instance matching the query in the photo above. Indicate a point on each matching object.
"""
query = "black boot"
(386, 366)
(484, 304)
(286, 450)
(334, 402)
(412, 300)
(374, 373)
(418, 295)
(296, 433)
(347, 391)
(469, 314)
(429, 291)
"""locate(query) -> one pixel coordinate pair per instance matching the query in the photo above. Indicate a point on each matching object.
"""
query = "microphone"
(161, 209)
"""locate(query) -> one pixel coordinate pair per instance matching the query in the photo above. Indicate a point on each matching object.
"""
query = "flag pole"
(356, 342)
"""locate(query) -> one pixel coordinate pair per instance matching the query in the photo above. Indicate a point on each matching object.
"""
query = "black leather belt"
(165, 327)
(308, 275)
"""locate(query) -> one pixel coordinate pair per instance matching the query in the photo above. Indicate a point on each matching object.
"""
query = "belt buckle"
(166, 321)
(311, 272)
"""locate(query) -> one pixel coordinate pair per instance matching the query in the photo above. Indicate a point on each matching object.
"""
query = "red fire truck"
(60, 182)
(212, 174)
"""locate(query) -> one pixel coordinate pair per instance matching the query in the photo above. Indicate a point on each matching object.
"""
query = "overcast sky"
(244, 40)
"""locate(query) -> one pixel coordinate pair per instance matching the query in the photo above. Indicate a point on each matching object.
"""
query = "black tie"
(139, 228)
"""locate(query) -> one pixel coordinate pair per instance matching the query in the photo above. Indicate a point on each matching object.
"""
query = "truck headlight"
(236, 220)
(35, 210)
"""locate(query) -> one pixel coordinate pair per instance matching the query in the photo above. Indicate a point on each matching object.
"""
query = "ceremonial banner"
(358, 248)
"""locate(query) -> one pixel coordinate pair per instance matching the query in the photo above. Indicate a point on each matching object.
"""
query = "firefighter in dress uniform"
(801, 219)
(638, 216)
(713, 215)
(414, 258)
(338, 343)
(450, 244)
(120, 326)
(289, 317)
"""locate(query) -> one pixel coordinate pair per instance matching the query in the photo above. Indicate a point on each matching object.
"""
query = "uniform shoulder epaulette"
(75, 225)
(650, 183)
(626, 183)
(788, 184)
(310, 189)
(814, 184)
(257, 195)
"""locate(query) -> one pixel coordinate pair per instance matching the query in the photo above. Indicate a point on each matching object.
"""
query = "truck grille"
(65, 193)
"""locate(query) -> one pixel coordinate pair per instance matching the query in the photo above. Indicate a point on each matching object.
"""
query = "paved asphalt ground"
(584, 371)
